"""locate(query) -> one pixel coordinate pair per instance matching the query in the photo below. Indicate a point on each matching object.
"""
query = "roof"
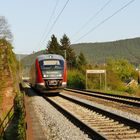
(49, 56)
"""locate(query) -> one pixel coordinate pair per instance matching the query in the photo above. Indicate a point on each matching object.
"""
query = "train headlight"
(59, 75)
(45, 75)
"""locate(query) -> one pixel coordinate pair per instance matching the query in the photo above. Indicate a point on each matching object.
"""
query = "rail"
(134, 101)
(110, 125)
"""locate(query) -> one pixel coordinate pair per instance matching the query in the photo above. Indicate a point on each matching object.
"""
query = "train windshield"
(52, 64)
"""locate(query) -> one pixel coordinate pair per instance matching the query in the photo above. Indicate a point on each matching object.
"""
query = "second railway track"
(134, 101)
(130, 111)
(97, 122)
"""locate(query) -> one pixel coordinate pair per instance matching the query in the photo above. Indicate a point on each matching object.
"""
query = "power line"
(56, 20)
(49, 21)
(106, 19)
(93, 17)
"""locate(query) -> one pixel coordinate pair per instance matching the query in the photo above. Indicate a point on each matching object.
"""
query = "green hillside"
(28, 61)
(20, 56)
(99, 52)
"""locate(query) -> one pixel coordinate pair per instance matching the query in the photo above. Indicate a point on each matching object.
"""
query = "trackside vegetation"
(119, 73)
(17, 129)
(8, 67)
(9, 79)
(119, 70)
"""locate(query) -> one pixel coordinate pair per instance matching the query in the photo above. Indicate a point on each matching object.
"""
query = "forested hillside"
(20, 56)
(99, 52)
(28, 61)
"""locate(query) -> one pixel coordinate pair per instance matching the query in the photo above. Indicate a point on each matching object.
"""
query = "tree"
(81, 60)
(5, 32)
(53, 45)
(65, 42)
(67, 51)
(122, 68)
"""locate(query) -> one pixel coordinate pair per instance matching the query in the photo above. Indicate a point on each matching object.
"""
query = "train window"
(52, 64)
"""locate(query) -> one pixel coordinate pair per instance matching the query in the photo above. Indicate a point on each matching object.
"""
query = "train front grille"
(52, 83)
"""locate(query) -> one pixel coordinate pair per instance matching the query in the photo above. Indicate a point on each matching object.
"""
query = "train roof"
(49, 56)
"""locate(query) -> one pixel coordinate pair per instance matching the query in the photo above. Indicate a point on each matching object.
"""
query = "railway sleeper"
(124, 137)
(97, 118)
(121, 132)
(129, 136)
(100, 121)
(103, 124)
(112, 129)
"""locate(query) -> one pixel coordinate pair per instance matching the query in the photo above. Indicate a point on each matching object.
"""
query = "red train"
(48, 73)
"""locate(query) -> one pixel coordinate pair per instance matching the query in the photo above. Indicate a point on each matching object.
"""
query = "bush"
(113, 81)
(129, 90)
(76, 79)
(122, 68)
(20, 114)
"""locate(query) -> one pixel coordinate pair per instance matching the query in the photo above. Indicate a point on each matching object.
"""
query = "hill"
(20, 56)
(99, 52)
(28, 61)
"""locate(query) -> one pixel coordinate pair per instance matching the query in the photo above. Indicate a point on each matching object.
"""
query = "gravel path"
(54, 125)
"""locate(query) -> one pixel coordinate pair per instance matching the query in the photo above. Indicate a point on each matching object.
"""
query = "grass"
(136, 93)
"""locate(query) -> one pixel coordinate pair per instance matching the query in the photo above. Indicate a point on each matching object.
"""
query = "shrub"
(130, 90)
(20, 115)
(76, 79)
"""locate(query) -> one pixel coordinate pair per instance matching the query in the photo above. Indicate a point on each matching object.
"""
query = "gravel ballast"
(125, 114)
(54, 125)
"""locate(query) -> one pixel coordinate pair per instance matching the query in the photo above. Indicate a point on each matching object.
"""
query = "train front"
(52, 75)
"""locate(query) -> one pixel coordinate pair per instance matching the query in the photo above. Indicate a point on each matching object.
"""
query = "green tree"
(122, 68)
(67, 51)
(65, 42)
(81, 61)
(53, 46)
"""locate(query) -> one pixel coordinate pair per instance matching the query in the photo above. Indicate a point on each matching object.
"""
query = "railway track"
(133, 101)
(98, 123)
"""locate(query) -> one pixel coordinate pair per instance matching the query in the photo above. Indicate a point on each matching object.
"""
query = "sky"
(33, 22)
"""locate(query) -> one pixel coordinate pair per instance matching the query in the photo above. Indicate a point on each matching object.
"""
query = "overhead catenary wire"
(92, 18)
(49, 21)
(56, 20)
(106, 19)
